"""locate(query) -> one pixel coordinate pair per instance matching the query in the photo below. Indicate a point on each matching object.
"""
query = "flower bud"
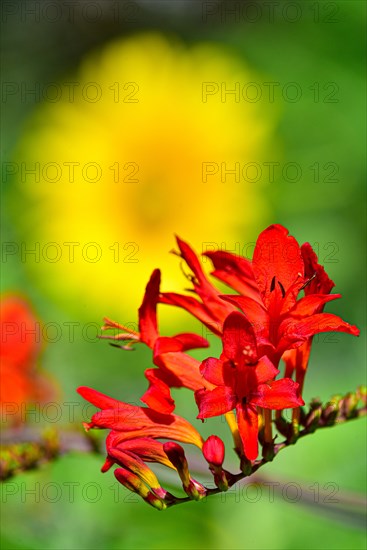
(213, 451)
(362, 394)
(349, 405)
(176, 454)
(134, 484)
(313, 418)
(331, 410)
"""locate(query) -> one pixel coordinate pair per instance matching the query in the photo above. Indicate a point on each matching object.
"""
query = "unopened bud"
(362, 394)
(315, 403)
(331, 410)
(349, 405)
(176, 454)
(134, 484)
(195, 490)
(213, 451)
(283, 427)
(312, 419)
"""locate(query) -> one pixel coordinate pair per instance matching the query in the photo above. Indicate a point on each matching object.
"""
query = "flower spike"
(275, 308)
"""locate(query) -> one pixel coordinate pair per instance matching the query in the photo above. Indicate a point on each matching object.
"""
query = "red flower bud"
(176, 454)
(213, 450)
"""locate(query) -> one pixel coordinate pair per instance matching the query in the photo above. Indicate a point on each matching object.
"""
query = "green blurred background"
(319, 46)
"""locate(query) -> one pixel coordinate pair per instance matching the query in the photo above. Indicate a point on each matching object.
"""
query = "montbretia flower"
(243, 381)
(268, 288)
(263, 321)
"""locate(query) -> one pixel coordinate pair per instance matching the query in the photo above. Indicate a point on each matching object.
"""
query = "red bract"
(244, 382)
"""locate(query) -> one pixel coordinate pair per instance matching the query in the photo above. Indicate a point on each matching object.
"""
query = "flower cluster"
(263, 321)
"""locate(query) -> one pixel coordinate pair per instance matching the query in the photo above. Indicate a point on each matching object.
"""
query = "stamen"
(272, 286)
(188, 276)
(281, 289)
(308, 281)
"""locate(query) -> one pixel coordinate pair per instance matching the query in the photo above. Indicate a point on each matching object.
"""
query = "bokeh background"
(124, 111)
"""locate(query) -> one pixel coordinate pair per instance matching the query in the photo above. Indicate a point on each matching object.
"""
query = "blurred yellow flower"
(136, 148)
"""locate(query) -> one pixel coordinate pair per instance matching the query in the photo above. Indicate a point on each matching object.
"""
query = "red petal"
(184, 370)
(190, 340)
(247, 419)
(148, 310)
(254, 311)
(213, 450)
(311, 304)
(212, 370)
(194, 264)
(235, 271)
(265, 370)
(321, 283)
(180, 342)
(215, 402)
(158, 395)
(196, 308)
(147, 449)
(207, 292)
(98, 399)
(278, 255)
(294, 332)
(281, 394)
(239, 339)
(132, 422)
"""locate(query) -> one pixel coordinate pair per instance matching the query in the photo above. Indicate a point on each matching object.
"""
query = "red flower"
(244, 381)
(272, 323)
(269, 287)
(280, 321)
(21, 380)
